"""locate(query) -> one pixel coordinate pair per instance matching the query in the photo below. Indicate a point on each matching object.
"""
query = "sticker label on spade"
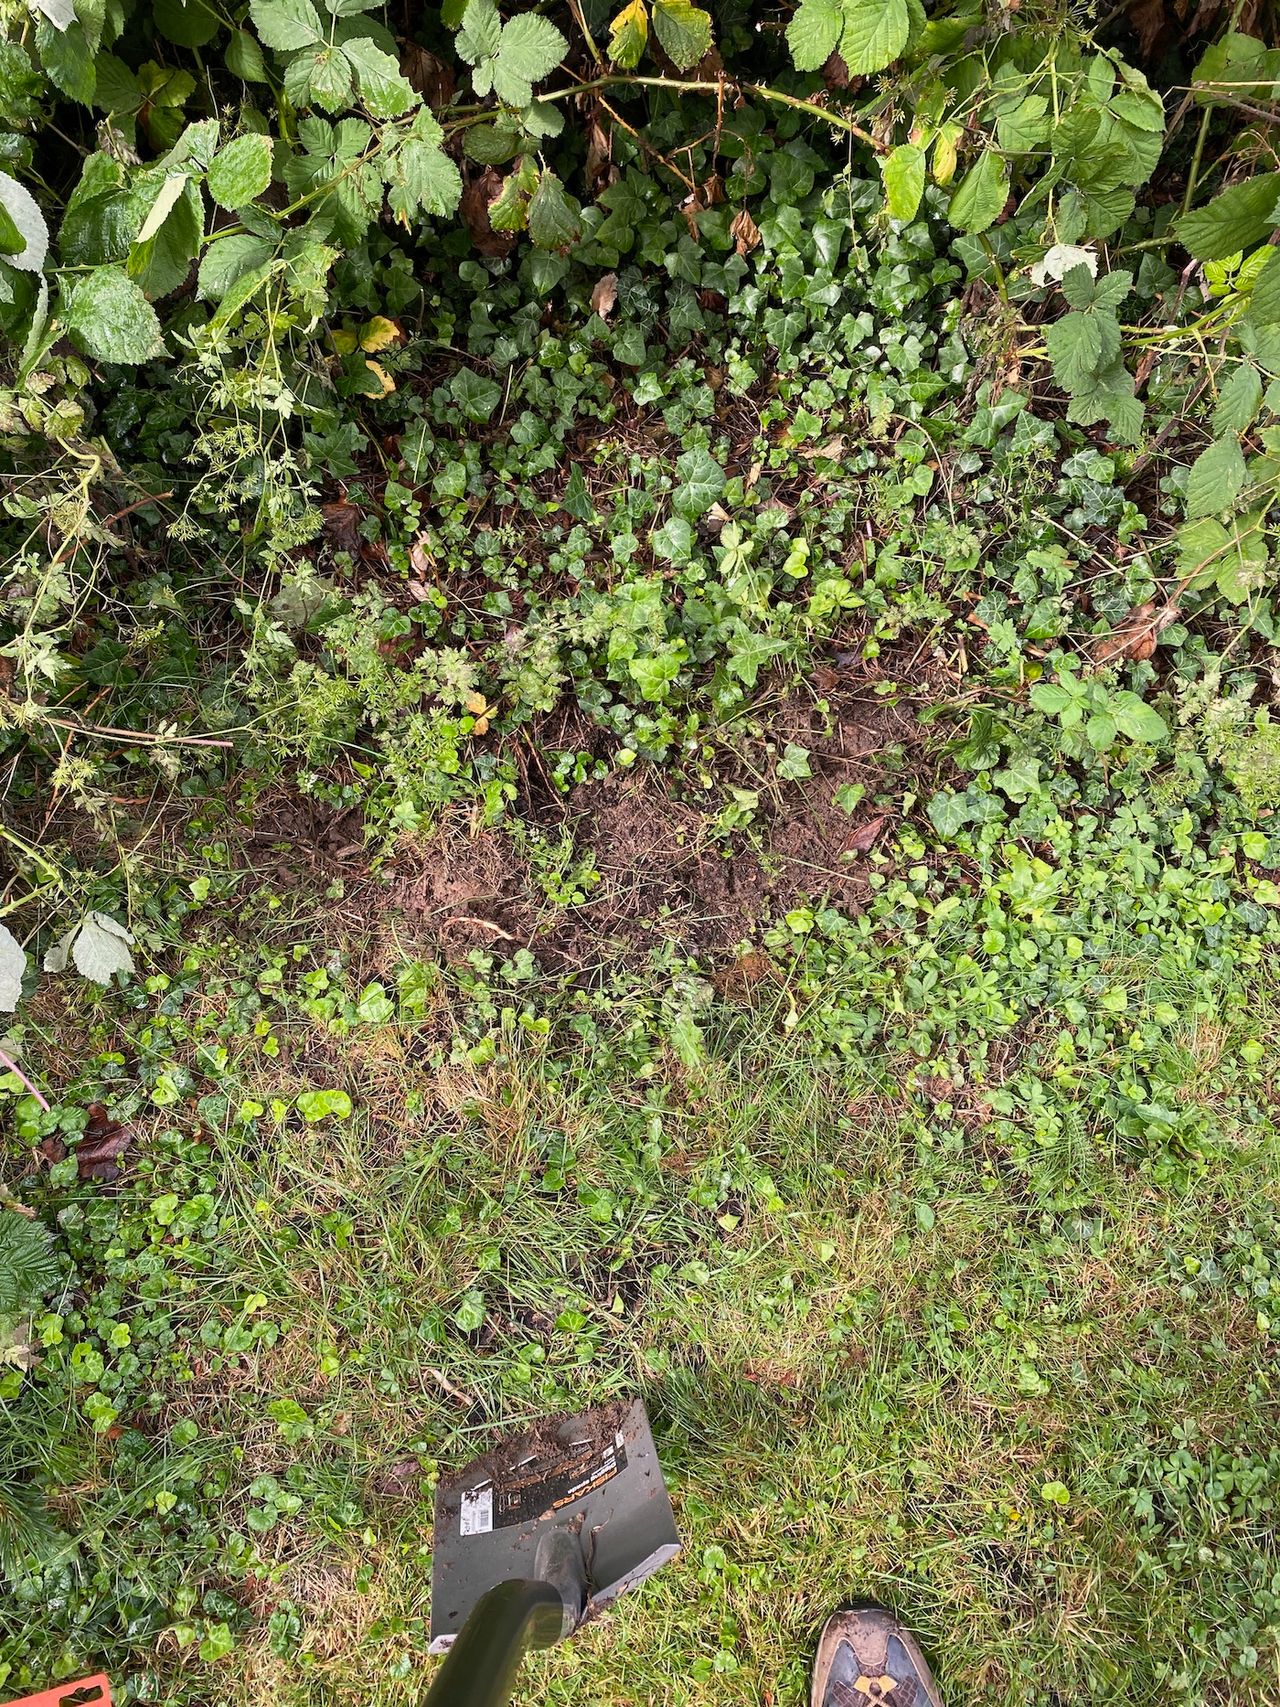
(477, 1511)
(540, 1485)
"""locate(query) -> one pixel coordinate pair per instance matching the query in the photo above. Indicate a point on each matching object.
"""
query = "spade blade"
(596, 1474)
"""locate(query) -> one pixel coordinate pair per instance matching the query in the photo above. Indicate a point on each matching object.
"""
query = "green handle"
(480, 1668)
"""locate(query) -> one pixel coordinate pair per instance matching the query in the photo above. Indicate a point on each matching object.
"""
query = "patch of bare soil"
(662, 877)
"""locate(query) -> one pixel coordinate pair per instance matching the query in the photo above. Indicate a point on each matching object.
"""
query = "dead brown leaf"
(599, 158)
(401, 1480)
(105, 1141)
(835, 73)
(832, 450)
(342, 526)
(477, 196)
(863, 838)
(605, 295)
(431, 77)
(1135, 638)
(764, 1373)
(745, 232)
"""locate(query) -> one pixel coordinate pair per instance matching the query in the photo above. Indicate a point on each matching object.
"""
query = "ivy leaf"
(981, 195)
(13, 967)
(814, 33)
(1239, 400)
(699, 482)
(684, 31)
(673, 540)
(1216, 478)
(111, 320)
(904, 180)
(469, 1316)
(476, 395)
(875, 33)
(576, 498)
(1234, 220)
(285, 25)
(555, 219)
(628, 34)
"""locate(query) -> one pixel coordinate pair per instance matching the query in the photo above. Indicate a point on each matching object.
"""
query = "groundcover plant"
(637, 670)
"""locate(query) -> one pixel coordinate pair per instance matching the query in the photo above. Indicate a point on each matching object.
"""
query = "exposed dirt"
(661, 875)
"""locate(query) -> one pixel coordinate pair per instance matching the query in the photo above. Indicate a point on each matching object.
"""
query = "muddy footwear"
(865, 1656)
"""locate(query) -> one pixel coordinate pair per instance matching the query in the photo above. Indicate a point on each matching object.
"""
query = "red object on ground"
(87, 1692)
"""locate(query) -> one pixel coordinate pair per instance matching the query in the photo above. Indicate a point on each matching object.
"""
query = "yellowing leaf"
(628, 34)
(343, 340)
(476, 703)
(379, 334)
(944, 154)
(383, 378)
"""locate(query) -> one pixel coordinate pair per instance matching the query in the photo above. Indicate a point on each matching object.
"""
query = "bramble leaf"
(26, 223)
(111, 320)
(903, 171)
(1234, 220)
(285, 25)
(875, 33)
(1239, 400)
(1216, 478)
(240, 172)
(814, 33)
(383, 91)
(981, 195)
(1136, 719)
(628, 34)
(1264, 299)
(684, 31)
(13, 967)
(555, 219)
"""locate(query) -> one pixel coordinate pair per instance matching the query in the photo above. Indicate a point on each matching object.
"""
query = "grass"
(1005, 1417)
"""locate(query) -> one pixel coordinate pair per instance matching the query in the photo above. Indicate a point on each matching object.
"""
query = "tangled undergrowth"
(637, 722)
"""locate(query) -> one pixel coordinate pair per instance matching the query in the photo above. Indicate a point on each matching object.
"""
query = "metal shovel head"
(595, 1474)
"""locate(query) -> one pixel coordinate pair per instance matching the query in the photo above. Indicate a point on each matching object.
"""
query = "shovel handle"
(480, 1668)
